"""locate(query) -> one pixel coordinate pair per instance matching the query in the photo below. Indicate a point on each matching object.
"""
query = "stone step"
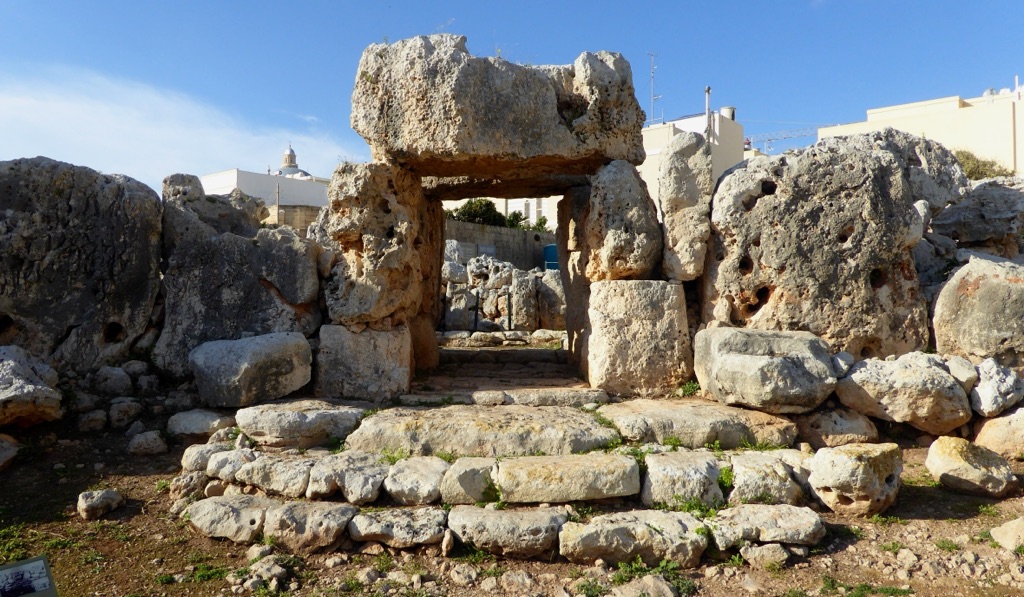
(519, 356)
(536, 396)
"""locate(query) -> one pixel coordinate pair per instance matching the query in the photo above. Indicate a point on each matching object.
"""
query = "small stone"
(148, 443)
(94, 504)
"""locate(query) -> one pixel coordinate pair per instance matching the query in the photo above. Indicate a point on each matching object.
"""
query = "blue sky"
(148, 88)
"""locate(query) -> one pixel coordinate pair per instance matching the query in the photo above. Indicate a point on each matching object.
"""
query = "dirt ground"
(139, 548)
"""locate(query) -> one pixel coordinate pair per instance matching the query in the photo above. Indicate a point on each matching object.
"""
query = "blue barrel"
(550, 256)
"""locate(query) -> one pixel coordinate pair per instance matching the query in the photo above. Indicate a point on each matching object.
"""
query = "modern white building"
(292, 195)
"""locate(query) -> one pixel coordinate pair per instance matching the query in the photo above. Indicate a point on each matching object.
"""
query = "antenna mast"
(650, 117)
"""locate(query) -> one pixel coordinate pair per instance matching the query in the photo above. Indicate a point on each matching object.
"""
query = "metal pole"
(476, 308)
(508, 303)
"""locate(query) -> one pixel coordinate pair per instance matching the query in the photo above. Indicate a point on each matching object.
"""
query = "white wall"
(292, 191)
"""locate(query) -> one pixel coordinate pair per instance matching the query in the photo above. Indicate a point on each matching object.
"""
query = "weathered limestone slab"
(416, 481)
(356, 475)
(81, 261)
(198, 423)
(196, 457)
(1010, 535)
(840, 269)
(774, 372)
(371, 365)
(991, 211)
(857, 479)
(567, 478)
(249, 370)
(468, 481)
(400, 527)
(916, 388)
(697, 423)
(481, 431)
(835, 427)
(94, 504)
(28, 389)
(298, 423)
(676, 477)
(621, 231)
(276, 475)
(428, 104)
(762, 477)
(977, 314)
(998, 389)
(1004, 434)
(761, 523)
(522, 533)
(266, 279)
(684, 196)
(621, 537)
(307, 527)
(238, 518)
(962, 466)
(638, 337)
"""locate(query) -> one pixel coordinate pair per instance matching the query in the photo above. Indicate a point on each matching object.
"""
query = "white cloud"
(126, 127)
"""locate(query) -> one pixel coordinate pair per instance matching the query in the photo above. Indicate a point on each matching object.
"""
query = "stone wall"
(522, 248)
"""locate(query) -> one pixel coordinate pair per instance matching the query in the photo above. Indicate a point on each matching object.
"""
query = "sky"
(148, 88)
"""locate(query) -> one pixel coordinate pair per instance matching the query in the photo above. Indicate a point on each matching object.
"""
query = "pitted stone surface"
(431, 106)
(697, 423)
(236, 517)
(676, 477)
(196, 457)
(621, 231)
(481, 431)
(468, 481)
(998, 389)
(1004, 434)
(763, 477)
(685, 185)
(307, 527)
(522, 533)
(621, 537)
(224, 465)
(400, 527)
(833, 427)
(567, 478)
(761, 523)
(277, 475)
(198, 423)
(857, 479)
(299, 423)
(416, 481)
(356, 475)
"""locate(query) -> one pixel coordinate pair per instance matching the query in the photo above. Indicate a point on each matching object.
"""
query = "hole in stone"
(756, 242)
(763, 294)
(866, 352)
(391, 232)
(113, 332)
(719, 256)
(782, 269)
(746, 265)
(768, 187)
(878, 278)
(384, 206)
(844, 500)
(890, 479)
(845, 234)
(825, 490)
(252, 522)
(6, 325)
(749, 202)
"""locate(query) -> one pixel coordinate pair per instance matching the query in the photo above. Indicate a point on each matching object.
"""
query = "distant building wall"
(533, 208)
(298, 217)
(986, 126)
(522, 248)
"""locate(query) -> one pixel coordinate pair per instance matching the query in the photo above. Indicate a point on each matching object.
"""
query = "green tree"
(976, 168)
(541, 225)
(516, 219)
(479, 211)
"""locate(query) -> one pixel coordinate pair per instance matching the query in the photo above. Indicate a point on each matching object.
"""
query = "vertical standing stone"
(371, 365)
(685, 186)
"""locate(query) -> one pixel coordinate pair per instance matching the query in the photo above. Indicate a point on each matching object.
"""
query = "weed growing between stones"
(694, 506)
(670, 571)
(947, 545)
(988, 510)
(886, 520)
(393, 456)
(726, 481)
(690, 388)
(449, 457)
(591, 588)
(893, 547)
(831, 586)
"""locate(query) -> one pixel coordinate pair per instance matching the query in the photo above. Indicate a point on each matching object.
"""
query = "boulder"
(637, 326)
(998, 389)
(400, 527)
(429, 105)
(453, 252)
(840, 269)
(468, 481)
(621, 231)
(299, 423)
(567, 478)
(977, 313)
(763, 478)
(523, 533)
(835, 427)
(416, 481)
(81, 261)
(276, 475)
(774, 372)
(550, 301)
(113, 381)
(223, 465)
(651, 535)
(94, 420)
(147, 443)
(198, 423)
(472, 430)
(238, 518)
(307, 527)
(916, 388)
(991, 211)
(674, 478)
(1004, 434)
(266, 279)
(964, 371)
(685, 185)
(1010, 535)
(232, 373)
(965, 467)
(356, 475)
(760, 523)
(696, 423)
(28, 388)
(370, 365)
(857, 479)
(94, 504)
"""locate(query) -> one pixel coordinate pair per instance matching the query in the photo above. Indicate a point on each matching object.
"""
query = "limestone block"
(82, 254)
(998, 389)
(977, 313)
(763, 478)
(113, 381)
(276, 475)
(766, 557)
(238, 518)
(567, 478)
(123, 411)
(416, 481)
(696, 423)
(964, 371)
(468, 481)
(684, 195)
(460, 303)
(651, 535)
(371, 365)
(453, 273)
(1004, 434)
(621, 232)
(968, 468)
(147, 443)
(1010, 535)
(524, 305)
(400, 527)
(28, 389)
(782, 523)
(991, 211)
(835, 427)
(198, 423)
(94, 504)
(250, 370)
(196, 457)
(299, 423)
(188, 485)
(916, 388)
(456, 114)
(550, 301)
(774, 372)
(639, 338)
(307, 527)
(224, 464)
(857, 479)
(356, 475)
(841, 270)
(522, 533)
(673, 478)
